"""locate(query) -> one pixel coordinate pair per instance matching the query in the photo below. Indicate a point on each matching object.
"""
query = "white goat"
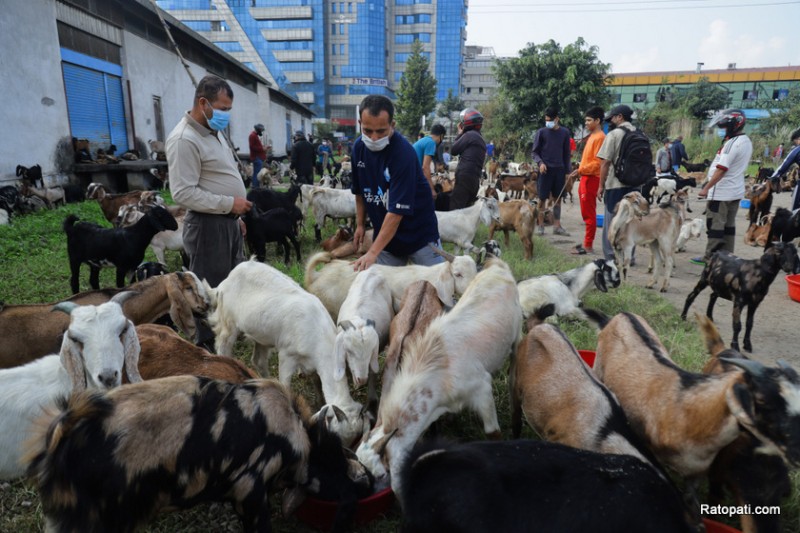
(275, 312)
(99, 343)
(161, 241)
(564, 291)
(459, 226)
(334, 203)
(363, 326)
(447, 368)
(691, 229)
(332, 283)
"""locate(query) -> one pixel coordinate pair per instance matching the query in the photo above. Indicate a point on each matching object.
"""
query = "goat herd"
(127, 419)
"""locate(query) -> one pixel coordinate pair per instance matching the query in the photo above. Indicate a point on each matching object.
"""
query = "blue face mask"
(550, 124)
(721, 132)
(219, 119)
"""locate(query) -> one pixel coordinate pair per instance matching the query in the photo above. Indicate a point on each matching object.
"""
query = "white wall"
(154, 71)
(35, 107)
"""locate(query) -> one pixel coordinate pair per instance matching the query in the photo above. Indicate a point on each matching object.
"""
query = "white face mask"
(375, 146)
(550, 124)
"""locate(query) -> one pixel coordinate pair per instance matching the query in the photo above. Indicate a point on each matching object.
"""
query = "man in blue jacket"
(551, 154)
(391, 189)
(678, 153)
(791, 159)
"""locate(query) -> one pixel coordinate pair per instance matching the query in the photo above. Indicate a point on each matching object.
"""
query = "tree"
(703, 97)
(449, 107)
(416, 96)
(572, 79)
(784, 115)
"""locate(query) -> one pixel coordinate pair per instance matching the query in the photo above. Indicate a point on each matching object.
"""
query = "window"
(341, 29)
(480, 90)
(333, 49)
(333, 7)
(750, 95)
(216, 25)
(426, 19)
(333, 29)
(159, 118)
(333, 70)
(341, 49)
(780, 94)
(639, 97)
(349, 7)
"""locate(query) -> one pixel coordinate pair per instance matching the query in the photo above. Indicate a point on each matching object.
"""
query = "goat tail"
(600, 319)
(540, 314)
(47, 437)
(69, 222)
(315, 260)
(713, 339)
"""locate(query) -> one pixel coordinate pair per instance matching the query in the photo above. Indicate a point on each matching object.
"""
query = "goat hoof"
(748, 347)
(735, 346)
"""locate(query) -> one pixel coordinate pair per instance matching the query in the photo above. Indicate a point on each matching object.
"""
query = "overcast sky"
(642, 35)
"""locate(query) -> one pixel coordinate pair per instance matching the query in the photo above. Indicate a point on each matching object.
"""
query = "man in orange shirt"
(589, 171)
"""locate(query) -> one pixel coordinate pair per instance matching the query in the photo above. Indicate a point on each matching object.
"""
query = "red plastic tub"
(794, 286)
(588, 357)
(319, 514)
(716, 527)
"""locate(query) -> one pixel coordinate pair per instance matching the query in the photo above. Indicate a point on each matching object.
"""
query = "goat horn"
(754, 368)
(65, 307)
(340, 416)
(449, 257)
(380, 446)
(121, 297)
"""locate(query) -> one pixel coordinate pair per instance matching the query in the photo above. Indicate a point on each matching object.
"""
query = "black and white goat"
(743, 282)
(564, 290)
(112, 461)
(785, 226)
(528, 485)
(266, 199)
(122, 248)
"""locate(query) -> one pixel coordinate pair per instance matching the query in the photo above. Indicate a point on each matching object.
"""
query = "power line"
(627, 10)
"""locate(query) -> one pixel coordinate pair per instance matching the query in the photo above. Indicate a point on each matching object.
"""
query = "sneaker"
(541, 231)
(560, 231)
(698, 261)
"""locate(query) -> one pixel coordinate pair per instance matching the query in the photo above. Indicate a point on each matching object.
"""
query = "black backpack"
(634, 165)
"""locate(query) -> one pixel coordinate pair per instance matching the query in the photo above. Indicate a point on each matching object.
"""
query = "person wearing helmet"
(258, 154)
(471, 149)
(724, 187)
(303, 158)
(792, 158)
(551, 153)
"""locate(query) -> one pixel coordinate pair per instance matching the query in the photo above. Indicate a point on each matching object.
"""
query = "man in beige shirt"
(204, 179)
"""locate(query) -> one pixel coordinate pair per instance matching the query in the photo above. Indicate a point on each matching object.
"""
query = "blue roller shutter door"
(95, 105)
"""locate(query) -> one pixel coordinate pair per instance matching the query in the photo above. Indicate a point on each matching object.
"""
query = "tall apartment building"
(479, 83)
(329, 54)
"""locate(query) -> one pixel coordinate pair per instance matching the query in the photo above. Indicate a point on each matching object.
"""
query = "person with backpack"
(627, 163)
(724, 187)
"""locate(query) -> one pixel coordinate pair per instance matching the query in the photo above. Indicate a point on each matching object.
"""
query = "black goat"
(760, 197)
(73, 193)
(527, 485)
(745, 283)
(9, 198)
(121, 247)
(111, 461)
(276, 225)
(148, 269)
(647, 189)
(32, 175)
(785, 227)
(266, 199)
(695, 167)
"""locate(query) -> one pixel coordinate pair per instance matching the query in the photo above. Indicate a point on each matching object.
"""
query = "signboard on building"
(370, 81)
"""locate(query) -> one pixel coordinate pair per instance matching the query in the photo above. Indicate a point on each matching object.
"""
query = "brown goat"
(757, 234)
(164, 353)
(343, 234)
(30, 331)
(519, 216)
(419, 306)
(110, 203)
(760, 201)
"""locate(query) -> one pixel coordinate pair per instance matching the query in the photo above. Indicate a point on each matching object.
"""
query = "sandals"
(579, 250)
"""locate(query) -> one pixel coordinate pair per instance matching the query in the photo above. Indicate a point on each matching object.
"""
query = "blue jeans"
(258, 164)
(424, 256)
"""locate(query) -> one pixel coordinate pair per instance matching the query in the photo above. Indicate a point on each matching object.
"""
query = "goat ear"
(72, 361)
(339, 359)
(292, 498)
(600, 280)
(742, 401)
(65, 307)
(132, 349)
(380, 446)
(179, 310)
(374, 364)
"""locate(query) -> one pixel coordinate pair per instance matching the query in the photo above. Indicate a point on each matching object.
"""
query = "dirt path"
(773, 336)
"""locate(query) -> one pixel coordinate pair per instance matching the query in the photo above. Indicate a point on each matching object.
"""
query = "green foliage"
(784, 117)
(702, 98)
(416, 96)
(324, 130)
(450, 105)
(571, 78)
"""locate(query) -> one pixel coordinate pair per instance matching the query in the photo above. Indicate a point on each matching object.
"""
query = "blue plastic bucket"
(600, 221)
(745, 203)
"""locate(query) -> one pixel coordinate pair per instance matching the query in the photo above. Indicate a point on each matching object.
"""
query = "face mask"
(721, 132)
(219, 119)
(550, 124)
(375, 146)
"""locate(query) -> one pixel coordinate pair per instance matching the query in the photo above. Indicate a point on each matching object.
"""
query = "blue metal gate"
(96, 107)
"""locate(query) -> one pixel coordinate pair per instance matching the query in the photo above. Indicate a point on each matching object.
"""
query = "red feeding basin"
(716, 527)
(588, 357)
(319, 514)
(794, 286)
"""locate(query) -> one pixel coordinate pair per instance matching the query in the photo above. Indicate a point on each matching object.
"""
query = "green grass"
(34, 264)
